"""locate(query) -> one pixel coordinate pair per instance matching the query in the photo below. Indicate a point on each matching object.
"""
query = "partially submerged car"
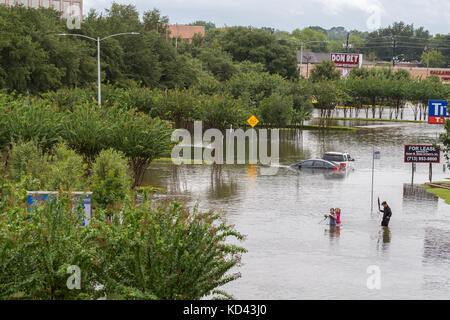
(317, 164)
(329, 169)
(341, 158)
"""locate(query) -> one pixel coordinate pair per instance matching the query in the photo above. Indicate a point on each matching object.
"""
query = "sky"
(287, 15)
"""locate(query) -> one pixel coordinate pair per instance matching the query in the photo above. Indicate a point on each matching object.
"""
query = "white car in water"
(344, 160)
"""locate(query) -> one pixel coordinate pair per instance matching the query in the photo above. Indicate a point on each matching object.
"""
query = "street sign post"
(437, 111)
(376, 155)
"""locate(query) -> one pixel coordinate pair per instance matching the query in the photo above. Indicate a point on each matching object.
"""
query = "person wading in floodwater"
(387, 213)
(332, 217)
(338, 216)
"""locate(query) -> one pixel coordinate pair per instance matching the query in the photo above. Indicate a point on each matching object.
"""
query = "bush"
(66, 99)
(60, 169)
(28, 165)
(166, 251)
(34, 120)
(110, 181)
(276, 110)
(139, 137)
(37, 247)
(325, 71)
(67, 170)
(87, 130)
(160, 251)
(220, 111)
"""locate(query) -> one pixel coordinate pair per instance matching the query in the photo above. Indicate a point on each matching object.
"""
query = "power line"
(409, 37)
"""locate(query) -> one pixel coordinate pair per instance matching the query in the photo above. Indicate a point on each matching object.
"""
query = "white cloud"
(290, 14)
(339, 6)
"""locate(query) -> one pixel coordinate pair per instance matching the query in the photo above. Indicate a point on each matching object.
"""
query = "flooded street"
(291, 255)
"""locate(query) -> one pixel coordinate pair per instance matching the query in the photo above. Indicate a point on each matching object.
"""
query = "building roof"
(185, 32)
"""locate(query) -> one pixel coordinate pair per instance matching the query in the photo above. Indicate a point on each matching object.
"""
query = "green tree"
(328, 95)
(276, 110)
(207, 24)
(445, 139)
(259, 46)
(314, 40)
(110, 181)
(433, 59)
(153, 21)
(219, 63)
(325, 71)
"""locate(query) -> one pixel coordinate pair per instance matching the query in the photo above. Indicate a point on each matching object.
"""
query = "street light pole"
(99, 98)
(301, 52)
(98, 40)
(301, 59)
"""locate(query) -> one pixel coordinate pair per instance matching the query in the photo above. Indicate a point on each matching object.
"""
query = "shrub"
(60, 169)
(110, 181)
(34, 120)
(166, 251)
(66, 99)
(220, 111)
(67, 171)
(28, 164)
(325, 71)
(160, 251)
(37, 247)
(276, 110)
(140, 138)
(87, 130)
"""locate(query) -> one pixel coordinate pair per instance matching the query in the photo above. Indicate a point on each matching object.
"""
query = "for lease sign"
(346, 60)
(422, 154)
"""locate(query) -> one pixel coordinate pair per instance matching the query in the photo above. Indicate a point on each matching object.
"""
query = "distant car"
(317, 164)
(343, 159)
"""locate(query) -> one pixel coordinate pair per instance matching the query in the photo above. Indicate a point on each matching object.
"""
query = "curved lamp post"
(98, 40)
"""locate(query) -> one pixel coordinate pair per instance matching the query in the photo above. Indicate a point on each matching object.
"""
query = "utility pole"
(99, 80)
(346, 44)
(428, 59)
(373, 169)
(308, 58)
(176, 35)
(393, 52)
(301, 59)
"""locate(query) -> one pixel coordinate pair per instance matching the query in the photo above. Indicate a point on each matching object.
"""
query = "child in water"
(338, 216)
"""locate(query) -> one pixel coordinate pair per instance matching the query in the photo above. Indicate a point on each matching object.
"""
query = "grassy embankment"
(440, 192)
(374, 119)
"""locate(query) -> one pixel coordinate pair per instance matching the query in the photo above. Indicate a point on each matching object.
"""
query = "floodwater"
(291, 255)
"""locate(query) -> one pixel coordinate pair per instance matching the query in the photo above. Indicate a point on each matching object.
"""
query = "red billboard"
(346, 60)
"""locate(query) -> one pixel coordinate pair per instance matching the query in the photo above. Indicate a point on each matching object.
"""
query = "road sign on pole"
(376, 155)
(437, 111)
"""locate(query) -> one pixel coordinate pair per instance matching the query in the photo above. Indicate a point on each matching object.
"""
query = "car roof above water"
(322, 160)
(335, 153)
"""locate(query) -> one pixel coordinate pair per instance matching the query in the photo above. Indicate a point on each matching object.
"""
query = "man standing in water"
(332, 217)
(387, 213)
